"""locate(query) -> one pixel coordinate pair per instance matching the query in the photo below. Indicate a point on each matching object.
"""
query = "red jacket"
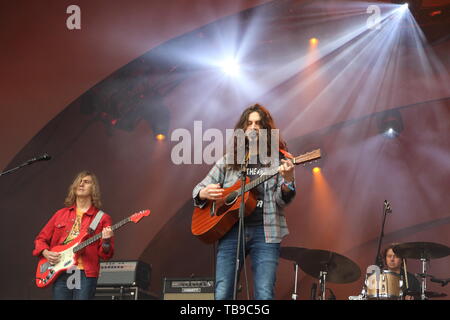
(58, 228)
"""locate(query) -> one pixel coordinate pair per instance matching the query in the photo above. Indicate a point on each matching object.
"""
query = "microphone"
(251, 134)
(387, 206)
(44, 157)
(313, 291)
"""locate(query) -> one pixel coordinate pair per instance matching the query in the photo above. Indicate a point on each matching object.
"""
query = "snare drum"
(390, 285)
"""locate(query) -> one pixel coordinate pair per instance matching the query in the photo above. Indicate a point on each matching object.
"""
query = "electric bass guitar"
(47, 273)
(216, 218)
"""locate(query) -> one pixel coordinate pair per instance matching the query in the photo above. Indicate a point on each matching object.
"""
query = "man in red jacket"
(82, 204)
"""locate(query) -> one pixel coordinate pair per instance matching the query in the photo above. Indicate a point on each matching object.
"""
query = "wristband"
(290, 185)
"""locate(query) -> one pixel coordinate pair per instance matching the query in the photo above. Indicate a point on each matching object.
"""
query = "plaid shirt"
(275, 226)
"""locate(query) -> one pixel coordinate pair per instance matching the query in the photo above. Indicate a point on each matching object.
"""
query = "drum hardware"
(326, 266)
(294, 254)
(386, 209)
(424, 278)
(323, 282)
(429, 294)
(388, 288)
(294, 295)
(313, 291)
(423, 251)
(441, 281)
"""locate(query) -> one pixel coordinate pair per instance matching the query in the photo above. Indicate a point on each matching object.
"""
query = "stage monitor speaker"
(124, 274)
(188, 289)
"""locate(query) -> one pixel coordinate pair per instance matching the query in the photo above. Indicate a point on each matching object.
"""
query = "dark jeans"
(264, 258)
(78, 287)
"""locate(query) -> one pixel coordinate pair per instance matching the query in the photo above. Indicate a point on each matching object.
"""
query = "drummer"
(393, 263)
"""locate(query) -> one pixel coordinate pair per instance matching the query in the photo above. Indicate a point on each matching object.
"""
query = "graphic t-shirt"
(75, 232)
(254, 171)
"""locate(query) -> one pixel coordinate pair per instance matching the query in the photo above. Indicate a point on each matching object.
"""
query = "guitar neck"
(310, 156)
(99, 235)
(256, 182)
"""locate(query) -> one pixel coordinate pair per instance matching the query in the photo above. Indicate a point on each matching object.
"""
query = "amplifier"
(188, 289)
(123, 274)
(122, 293)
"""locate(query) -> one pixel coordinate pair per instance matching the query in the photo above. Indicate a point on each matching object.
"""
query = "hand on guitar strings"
(52, 257)
(211, 192)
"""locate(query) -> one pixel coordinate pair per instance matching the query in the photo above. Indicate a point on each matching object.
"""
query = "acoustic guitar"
(216, 218)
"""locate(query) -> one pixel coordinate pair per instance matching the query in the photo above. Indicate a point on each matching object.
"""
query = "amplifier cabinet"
(188, 289)
(124, 273)
(122, 293)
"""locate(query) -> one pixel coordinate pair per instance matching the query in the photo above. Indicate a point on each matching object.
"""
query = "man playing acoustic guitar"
(266, 225)
(82, 205)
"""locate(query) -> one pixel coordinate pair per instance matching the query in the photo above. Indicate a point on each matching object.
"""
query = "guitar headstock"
(307, 157)
(139, 215)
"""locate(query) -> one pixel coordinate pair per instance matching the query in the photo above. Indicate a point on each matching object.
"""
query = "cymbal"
(339, 269)
(419, 250)
(292, 253)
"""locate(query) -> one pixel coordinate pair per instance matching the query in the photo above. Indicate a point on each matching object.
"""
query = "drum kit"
(328, 266)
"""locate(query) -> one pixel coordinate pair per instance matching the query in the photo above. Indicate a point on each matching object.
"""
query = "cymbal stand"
(322, 283)
(424, 277)
(295, 295)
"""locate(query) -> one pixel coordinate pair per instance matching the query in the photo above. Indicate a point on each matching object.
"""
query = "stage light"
(230, 67)
(316, 169)
(412, 5)
(160, 137)
(390, 124)
(313, 41)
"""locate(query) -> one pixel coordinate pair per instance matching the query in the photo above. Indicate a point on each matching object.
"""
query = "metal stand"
(323, 283)
(295, 295)
(424, 278)
(386, 209)
(44, 157)
(241, 227)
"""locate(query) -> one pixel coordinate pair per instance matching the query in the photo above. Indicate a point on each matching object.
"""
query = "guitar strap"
(95, 221)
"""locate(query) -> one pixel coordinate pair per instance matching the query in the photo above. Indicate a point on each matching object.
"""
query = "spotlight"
(316, 170)
(413, 5)
(160, 137)
(390, 124)
(230, 67)
(313, 41)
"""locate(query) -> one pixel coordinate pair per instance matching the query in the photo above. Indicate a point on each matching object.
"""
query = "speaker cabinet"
(188, 289)
(122, 293)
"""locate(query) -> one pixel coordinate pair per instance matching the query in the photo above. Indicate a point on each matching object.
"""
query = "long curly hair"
(267, 123)
(96, 196)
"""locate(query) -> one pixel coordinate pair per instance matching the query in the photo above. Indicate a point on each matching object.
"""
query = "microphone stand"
(386, 210)
(16, 168)
(31, 161)
(241, 225)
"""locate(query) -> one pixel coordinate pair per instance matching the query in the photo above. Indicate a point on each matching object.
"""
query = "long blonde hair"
(96, 196)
